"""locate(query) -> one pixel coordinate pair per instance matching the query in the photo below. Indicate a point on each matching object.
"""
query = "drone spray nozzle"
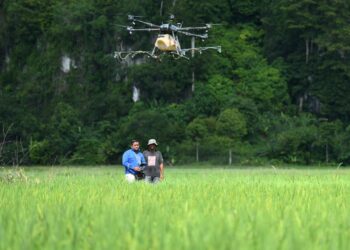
(132, 17)
(129, 29)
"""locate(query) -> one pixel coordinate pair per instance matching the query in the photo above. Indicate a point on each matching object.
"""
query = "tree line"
(278, 92)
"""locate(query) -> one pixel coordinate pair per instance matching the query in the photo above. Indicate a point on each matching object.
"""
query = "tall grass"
(93, 208)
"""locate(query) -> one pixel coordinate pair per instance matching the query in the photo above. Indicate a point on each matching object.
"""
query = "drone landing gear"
(200, 49)
(125, 55)
(181, 53)
(177, 56)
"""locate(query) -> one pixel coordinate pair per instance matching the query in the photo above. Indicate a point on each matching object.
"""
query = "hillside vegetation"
(279, 91)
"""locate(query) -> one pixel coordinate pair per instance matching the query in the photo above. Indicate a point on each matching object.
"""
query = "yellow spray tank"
(166, 42)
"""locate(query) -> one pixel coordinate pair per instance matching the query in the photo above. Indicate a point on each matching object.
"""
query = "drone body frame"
(167, 40)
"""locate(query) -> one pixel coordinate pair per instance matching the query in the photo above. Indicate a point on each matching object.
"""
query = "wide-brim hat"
(152, 141)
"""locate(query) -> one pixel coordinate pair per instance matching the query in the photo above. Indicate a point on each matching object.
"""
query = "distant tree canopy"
(278, 91)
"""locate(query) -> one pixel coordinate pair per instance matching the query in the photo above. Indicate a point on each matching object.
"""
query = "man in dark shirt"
(155, 168)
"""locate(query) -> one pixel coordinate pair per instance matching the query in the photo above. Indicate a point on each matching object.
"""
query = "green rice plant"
(14, 174)
(250, 208)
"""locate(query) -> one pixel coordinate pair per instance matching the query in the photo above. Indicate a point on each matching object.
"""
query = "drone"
(167, 41)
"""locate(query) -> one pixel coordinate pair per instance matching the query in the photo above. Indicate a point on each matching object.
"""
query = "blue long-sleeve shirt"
(132, 159)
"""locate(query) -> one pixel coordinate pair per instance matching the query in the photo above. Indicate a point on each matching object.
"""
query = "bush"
(231, 123)
(89, 151)
(40, 153)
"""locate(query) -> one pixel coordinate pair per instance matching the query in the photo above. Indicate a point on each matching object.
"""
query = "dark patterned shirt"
(153, 160)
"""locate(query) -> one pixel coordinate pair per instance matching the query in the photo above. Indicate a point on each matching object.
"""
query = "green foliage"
(60, 139)
(211, 97)
(314, 48)
(280, 60)
(231, 123)
(200, 128)
(89, 151)
(293, 139)
(196, 130)
(341, 145)
(144, 123)
(39, 152)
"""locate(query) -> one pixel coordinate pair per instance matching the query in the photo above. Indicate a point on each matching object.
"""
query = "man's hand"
(137, 168)
(161, 177)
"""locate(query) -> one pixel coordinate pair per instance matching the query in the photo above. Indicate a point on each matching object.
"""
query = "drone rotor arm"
(193, 28)
(205, 36)
(206, 27)
(130, 29)
(146, 23)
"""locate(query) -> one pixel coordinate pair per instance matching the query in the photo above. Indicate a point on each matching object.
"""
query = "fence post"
(230, 157)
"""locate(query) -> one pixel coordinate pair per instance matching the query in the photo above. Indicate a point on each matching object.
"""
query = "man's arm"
(161, 166)
(143, 160)
(126, 162)
(161, 171)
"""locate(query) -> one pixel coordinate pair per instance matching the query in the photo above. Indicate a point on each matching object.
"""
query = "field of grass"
(93, 208)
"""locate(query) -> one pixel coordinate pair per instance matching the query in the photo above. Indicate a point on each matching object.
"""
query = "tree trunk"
(197, 152)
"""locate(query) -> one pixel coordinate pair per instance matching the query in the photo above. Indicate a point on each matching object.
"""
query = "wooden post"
(197, 152)
(230, 157)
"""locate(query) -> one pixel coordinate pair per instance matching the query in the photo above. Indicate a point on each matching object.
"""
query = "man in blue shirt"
(132, 161)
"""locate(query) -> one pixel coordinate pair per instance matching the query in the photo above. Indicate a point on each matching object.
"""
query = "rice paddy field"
(242, 208)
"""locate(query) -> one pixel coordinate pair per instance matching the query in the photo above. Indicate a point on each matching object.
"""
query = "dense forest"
(278, 92)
